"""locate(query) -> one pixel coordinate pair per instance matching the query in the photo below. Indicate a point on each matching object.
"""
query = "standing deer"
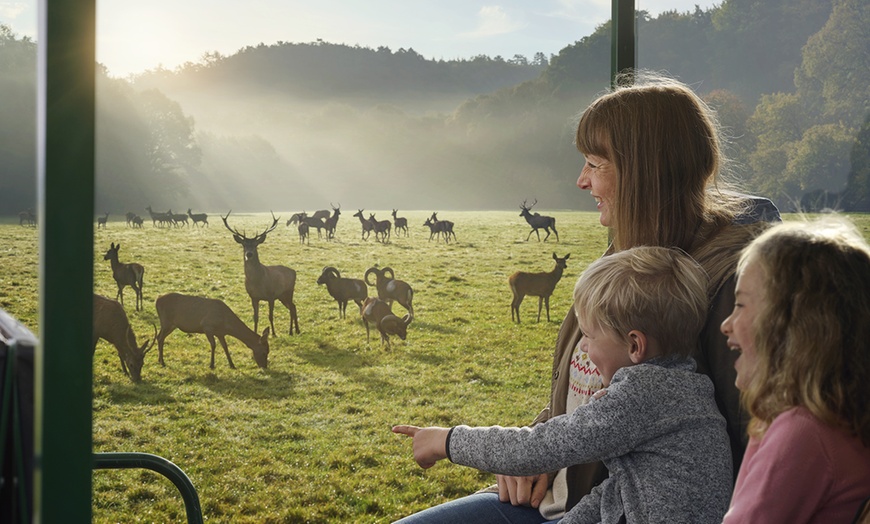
(303, 232)
(130, 216)
(381, 228)
(400, 223)
(27, 218)
(130, 274)
(539, 285)
(198, 217)
(366, 224)
(445, 227)
(101, 221)
(137, 222)
(332, 222)
(538, 221)
(111, 324)
(178, 218)
(390, 289)
(213, 318)
(267, 283)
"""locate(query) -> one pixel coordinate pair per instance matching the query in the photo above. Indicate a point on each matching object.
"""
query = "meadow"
(308, 439)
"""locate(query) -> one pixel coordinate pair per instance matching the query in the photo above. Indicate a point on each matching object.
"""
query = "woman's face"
(739, 326)
(598, 176)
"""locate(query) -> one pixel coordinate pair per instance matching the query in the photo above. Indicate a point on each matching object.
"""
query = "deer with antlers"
(538, 221)
(211, 317)
(129, 274)
(112, 325)
(266, 283)
(539, 285)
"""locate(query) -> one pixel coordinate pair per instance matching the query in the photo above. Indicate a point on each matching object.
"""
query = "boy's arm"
(430, 444)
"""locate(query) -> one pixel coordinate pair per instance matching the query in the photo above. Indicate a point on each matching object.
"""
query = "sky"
(136, 35)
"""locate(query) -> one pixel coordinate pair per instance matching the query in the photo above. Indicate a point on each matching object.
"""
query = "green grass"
(308, 439)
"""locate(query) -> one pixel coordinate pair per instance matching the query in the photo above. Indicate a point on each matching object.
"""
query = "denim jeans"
(479, 508)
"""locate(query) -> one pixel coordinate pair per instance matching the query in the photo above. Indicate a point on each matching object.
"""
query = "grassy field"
(308, 439)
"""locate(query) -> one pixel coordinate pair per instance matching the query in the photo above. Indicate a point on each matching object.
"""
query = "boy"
(655, 425)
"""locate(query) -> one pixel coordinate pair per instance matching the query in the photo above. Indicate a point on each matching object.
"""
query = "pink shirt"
(802, 471)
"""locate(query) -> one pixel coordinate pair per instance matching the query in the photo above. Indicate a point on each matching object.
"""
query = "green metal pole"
(623, 46)
(65, 180)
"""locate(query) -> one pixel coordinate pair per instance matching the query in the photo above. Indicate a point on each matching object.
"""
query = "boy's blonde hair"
(659, 291)
(812, 331)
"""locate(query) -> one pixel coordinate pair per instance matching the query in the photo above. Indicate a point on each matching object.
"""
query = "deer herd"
(270, 283)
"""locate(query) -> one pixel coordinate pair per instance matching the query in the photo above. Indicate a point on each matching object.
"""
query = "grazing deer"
(101, 221)
(538, 221)
(137, 222)
(390, 289)
(320, 214)
(211, 317)
(111, 324)
(130, 216)
(295, 218)
(400, 223)
(332, 221)
(539, 285)
(27, 218)
(198, 217)
(381, 228)
(366, 224)
(378, 312)
(267, 283)
(125, 275)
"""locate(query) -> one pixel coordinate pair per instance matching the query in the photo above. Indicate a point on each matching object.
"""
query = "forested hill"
(297, 126)
(323, 70)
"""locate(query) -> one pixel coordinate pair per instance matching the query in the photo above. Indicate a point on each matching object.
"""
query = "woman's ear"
(638, 346)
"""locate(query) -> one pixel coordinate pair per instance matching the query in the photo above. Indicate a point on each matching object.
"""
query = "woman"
(800, 324)
(653, 163)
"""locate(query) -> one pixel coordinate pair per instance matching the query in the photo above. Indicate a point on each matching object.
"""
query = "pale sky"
(136, 35)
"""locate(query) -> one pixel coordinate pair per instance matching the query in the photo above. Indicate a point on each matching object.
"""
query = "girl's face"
(606, 350)
(739, 326)
(598, 176)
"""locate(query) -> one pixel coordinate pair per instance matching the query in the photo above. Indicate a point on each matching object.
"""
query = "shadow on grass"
(435, 328)
(266, 385)
(141, 393)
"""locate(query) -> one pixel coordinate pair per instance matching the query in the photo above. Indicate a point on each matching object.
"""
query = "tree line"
(298, 125)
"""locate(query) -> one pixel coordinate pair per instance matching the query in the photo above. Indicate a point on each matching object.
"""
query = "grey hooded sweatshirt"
(656, 428)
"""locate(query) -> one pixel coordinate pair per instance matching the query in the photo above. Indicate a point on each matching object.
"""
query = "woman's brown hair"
(664, 142)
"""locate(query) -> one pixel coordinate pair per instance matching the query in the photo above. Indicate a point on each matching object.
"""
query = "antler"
(261, 236)
(233, 231)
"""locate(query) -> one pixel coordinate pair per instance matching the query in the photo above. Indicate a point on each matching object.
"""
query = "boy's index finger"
(409, 431)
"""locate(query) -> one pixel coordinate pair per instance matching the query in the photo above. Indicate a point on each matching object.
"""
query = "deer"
(303, 232)
(130, 216)
(112, 325)
(390, 289)
(332, 221)
(211, 317)
(343, 289)
(178, 218)
(539, 285)
(314, 222)
(266, 283)
(198, 217)
(400, 223)
(378, 312)
(366, 223)
(381, 228)
(161, 218)
(130, 274)
(321, 214)
(27, 218)
(137, 222)
(538, 221)
(101, 221)
(445, 227)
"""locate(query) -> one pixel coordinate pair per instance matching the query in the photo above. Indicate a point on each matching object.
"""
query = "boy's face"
(606, 350)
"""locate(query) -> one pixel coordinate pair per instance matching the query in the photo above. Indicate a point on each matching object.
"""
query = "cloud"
(493, 20)
(11, 10)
